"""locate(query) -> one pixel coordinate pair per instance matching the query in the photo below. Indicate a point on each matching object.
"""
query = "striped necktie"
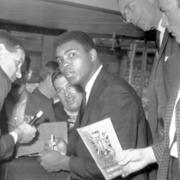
(164, 163)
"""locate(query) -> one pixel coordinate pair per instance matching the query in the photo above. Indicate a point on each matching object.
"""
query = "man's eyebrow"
(68, 50)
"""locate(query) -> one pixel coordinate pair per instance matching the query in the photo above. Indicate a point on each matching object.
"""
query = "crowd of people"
(87, 94)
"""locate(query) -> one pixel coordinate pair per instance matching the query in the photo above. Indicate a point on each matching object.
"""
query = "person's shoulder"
(116, 80)
(37, 96)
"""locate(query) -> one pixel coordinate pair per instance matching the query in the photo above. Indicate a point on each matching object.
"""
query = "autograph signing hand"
(54, 161)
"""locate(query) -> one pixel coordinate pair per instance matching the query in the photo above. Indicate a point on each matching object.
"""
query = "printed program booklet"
(102, 142)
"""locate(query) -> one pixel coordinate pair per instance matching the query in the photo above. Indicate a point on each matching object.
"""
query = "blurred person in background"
(165, 71)
(45, 85)
(165, 153)
(45, 89)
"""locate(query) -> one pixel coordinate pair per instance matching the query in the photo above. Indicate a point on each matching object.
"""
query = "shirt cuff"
(14, 135)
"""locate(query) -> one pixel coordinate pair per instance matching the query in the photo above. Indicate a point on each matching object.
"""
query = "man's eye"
(72, 54)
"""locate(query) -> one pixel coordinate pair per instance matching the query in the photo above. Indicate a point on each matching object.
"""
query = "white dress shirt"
(172, 130)
(91, 82)
(161, 29)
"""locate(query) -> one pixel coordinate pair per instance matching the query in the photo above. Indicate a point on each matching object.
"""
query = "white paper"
(102, 142)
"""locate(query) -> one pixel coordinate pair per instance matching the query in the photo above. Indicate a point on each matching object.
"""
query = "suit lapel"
(164, 43)
(96, 90)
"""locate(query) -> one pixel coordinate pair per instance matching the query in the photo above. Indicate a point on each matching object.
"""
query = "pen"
(36, 117)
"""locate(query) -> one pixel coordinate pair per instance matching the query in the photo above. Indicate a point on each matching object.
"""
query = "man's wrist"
(19, 134)
(149, 155)
(15, 136)
(66, 164)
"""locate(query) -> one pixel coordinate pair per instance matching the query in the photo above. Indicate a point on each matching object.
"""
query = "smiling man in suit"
(146, 15)
(165, 153)
(106, 96)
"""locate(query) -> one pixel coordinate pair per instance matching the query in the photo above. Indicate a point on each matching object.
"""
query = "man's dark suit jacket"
(110, 97)
(37, 101)
(6, 141)
(164, 74)
(59, 112)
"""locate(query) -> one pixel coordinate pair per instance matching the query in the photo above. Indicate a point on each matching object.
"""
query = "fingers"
(125, 158)
(46, 166)
(118, 170)
(26, 132)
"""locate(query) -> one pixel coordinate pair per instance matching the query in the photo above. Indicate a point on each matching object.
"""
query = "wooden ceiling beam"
(110, 6)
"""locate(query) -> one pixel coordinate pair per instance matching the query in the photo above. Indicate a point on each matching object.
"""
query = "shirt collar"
(160, 27)
(90, 83)
(69, 113)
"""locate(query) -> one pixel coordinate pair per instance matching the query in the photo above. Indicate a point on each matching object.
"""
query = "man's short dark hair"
(82, 38)
(54, 76)
(51, 66)
(10, 42)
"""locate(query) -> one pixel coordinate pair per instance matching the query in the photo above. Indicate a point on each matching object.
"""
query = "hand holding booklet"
(102, 142)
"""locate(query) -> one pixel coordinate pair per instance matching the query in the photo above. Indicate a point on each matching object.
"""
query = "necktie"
(164, 162)
(82, 108)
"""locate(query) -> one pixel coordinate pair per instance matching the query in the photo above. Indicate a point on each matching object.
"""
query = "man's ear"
(93, 54)
(29, 74)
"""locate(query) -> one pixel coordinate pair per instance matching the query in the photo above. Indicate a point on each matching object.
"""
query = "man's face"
(173, 17)
(13, 62)
(141, 13)
(69, 96)
(75, 63)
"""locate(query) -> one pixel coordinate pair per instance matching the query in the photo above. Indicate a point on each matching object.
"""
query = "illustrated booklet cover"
(102, 142)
